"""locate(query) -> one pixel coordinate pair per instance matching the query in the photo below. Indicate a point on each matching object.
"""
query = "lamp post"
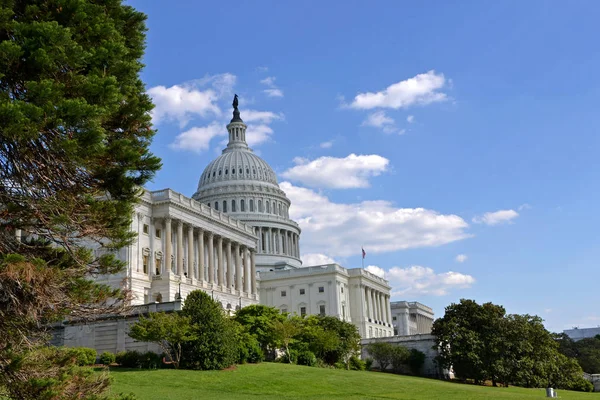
(178, 297)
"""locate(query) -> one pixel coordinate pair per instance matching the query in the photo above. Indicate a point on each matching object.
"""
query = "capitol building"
(234, 239)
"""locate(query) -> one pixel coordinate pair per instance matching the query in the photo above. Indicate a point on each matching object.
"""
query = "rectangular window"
(302, 311)
(322, 310)
(342, 289)
(283, 293)
(145, 263)
(146, 229)
(157, 233)
(157, 266)
(284, 310)
(321, 289)
(394, 318)
(302, 291)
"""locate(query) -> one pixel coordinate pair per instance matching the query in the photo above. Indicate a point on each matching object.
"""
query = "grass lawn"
(282, 381)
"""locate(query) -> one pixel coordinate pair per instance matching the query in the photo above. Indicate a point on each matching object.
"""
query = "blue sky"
(456, 141)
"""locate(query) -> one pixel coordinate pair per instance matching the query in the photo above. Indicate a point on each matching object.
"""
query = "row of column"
(278, 241)
(241, 268)
(377, 304)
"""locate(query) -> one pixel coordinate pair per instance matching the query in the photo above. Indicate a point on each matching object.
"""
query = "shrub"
(399, 358)
(216, 345)
(368, 363)
(107, 358)
(307, 358)
(129, 359)
(83, 355)
(357, 364)
(284, 357)
(416, 359)
(339, 365)
(150, 360)
(381, 353)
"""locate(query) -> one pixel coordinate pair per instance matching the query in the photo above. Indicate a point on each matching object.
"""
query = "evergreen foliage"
(215, 345)
(74, 150)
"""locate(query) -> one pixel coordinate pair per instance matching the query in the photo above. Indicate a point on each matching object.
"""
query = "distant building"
(353, 295)
(411, 318)
(578, 334)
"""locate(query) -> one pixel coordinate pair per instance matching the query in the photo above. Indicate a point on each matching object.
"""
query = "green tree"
(74, 150)
(468, 341)
(347, 343)
(215, 344)
(169, 331)
(382, 353)
(399, 359)
(285, 332)
(257, 320)
(585, 351)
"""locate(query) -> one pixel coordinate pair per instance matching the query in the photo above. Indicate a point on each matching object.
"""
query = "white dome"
(236, 165)
(243, 185)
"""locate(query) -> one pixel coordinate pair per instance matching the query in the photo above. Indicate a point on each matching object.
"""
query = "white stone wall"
(343, 295)
(423, 343)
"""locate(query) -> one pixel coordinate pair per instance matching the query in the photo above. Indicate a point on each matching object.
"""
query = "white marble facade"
(234, 239)
(411, 318)
(353, 295)
(182, 243)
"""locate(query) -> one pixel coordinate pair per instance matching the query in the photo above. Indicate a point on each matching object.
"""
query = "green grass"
(282, 381)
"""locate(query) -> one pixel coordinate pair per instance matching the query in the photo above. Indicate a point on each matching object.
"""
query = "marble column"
(168, 245)
(220, 274)
(238, 268)
(211, 259)
(247, 274)
(179, 247)
(190, 257)
(383, 317)
(253, 272)
(374, 305)
(229, 266)
(201, 263)
(366, 290)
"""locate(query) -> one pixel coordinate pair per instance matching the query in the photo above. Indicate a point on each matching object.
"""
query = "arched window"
(232, 205)
(240, 171)
(242, 205)
(251, 205)
(214, 173)
(219, 172)
(216, 205)
(247, 171)
(268, 206)
(224, 205)
(233, 171)
(226, 171)
(260, 207)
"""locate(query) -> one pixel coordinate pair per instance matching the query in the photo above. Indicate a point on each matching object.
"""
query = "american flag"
(363, 252)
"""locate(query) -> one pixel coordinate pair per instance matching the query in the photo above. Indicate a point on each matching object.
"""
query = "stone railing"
(365, 273)
(328, 268)
(180, 199)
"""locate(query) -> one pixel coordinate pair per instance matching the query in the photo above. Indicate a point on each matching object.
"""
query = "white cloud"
(379, 119)
(461, 258)
(269, 81)
(189, 100)
(316, 259)
(418, 281)
(375, 270)
(496, 217)
(352, 171)
(257, 134)
(420, 89)
(410, 119)
(262, 69)
(326, 145)
(198, 139)
(260, 116)
(273, 92)
(524, 206)
(340, 230)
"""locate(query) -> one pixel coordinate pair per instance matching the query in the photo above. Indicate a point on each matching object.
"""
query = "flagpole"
(362, 256)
